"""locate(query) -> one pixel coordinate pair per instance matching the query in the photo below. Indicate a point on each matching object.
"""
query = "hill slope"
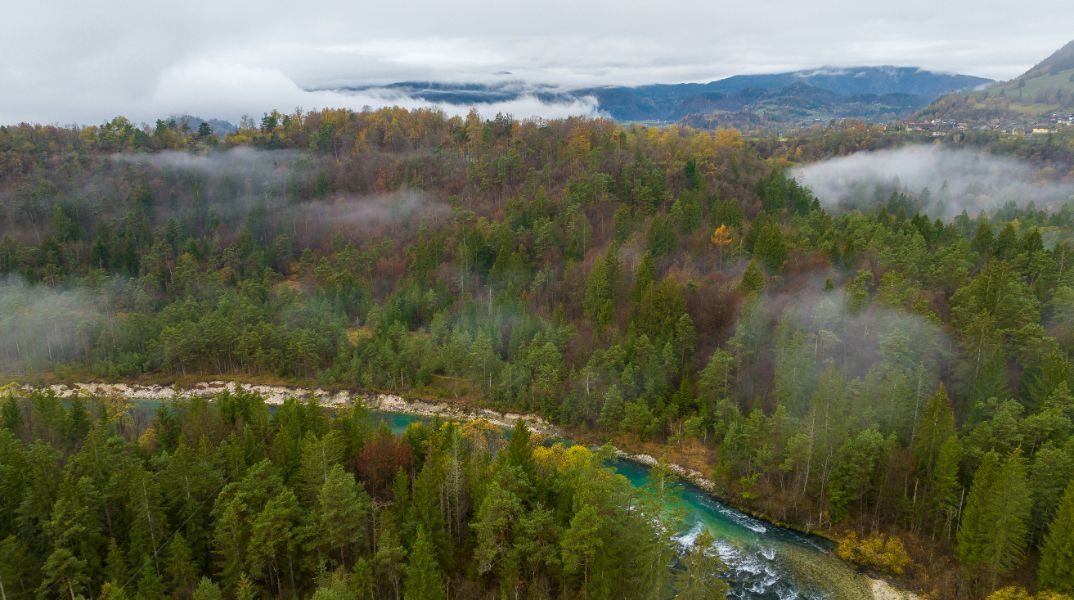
(745, 101)
(1043, 95)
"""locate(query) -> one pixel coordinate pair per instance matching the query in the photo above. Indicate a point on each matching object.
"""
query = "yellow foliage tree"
(880, 552)
(722, 237)
(1013, 592)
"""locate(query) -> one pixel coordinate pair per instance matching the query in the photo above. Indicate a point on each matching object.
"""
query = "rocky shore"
(277, 394)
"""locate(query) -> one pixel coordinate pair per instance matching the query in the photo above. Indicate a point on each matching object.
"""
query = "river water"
(765, 562)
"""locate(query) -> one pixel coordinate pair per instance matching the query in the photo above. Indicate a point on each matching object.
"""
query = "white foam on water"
(687, 538)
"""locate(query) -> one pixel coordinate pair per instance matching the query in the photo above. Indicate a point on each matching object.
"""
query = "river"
(765, 562)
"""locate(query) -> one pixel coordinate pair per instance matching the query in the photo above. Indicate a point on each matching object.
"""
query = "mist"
(241, 184)
(42, 326)
(891, 359)
(939, 181)
(351, 216)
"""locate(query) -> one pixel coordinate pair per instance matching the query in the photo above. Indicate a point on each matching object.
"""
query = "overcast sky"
(66, 61)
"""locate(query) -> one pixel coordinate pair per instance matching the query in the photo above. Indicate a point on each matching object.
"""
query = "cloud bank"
(955, 180)
(71, 61)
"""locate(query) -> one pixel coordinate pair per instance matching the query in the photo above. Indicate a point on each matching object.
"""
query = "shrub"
(879, 552)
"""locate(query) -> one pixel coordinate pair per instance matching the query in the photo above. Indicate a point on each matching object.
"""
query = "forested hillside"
(225, 499)
(866, 372)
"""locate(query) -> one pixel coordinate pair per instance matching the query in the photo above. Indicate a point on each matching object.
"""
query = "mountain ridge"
(786, 99)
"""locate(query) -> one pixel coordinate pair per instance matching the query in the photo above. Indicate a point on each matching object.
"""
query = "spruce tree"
(995, 525)
(1056, 569)
(180, 570)
(207, 590)
(342, 508)
(423, 581)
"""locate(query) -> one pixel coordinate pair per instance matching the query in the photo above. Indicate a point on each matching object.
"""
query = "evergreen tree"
(180, 570)
(612, 411)
(207, 590)
(423, 581)
(150, 587)
(342, 510)
(581, 544)
(1056, 568)
(752, 279)
(944, 488)
(995, 524)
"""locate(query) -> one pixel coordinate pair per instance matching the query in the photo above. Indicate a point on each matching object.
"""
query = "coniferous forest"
(893, 380)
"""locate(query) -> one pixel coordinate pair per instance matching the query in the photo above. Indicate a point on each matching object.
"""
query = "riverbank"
(277, 394)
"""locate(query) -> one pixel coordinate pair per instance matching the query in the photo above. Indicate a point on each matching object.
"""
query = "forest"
(230, 499)
(861, 374)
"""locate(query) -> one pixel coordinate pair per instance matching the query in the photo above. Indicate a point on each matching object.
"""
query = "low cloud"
(941, 181)
(230, 90)
(241, 161)
(41, 326)
(349, 216)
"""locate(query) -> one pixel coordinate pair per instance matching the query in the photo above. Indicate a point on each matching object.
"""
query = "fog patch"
(367, 215)
(941, 182)
(42, 326)
(242, 161)
(890, 357)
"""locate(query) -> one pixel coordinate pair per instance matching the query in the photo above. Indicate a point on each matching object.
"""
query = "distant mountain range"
(744, 101)
(1042, 97)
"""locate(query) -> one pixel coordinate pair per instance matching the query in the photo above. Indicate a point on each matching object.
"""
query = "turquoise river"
(764, 561)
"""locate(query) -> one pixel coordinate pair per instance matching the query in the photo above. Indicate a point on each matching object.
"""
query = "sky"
(85, 61)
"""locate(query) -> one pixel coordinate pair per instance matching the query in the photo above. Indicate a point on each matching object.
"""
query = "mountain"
(783, 99)
(1043, 96)
(746, 101)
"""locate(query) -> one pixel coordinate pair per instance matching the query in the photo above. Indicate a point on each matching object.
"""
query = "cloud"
(230, 90)
(69, 61)
(956, 180)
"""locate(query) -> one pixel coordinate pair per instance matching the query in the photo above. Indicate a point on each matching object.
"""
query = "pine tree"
(944, 487)
(207, 590)
(612, 411)
(180, 570)
(934, 427)
(995, 525)
(272, 540)
(342, 510)
(752, 279)
(423, 581)
(581, 544)
(519, 451)
(499, 511)
(150, 587)
(771, 247)
(245, 590)
(63, 575)
(115, 566)
(1056, 569)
